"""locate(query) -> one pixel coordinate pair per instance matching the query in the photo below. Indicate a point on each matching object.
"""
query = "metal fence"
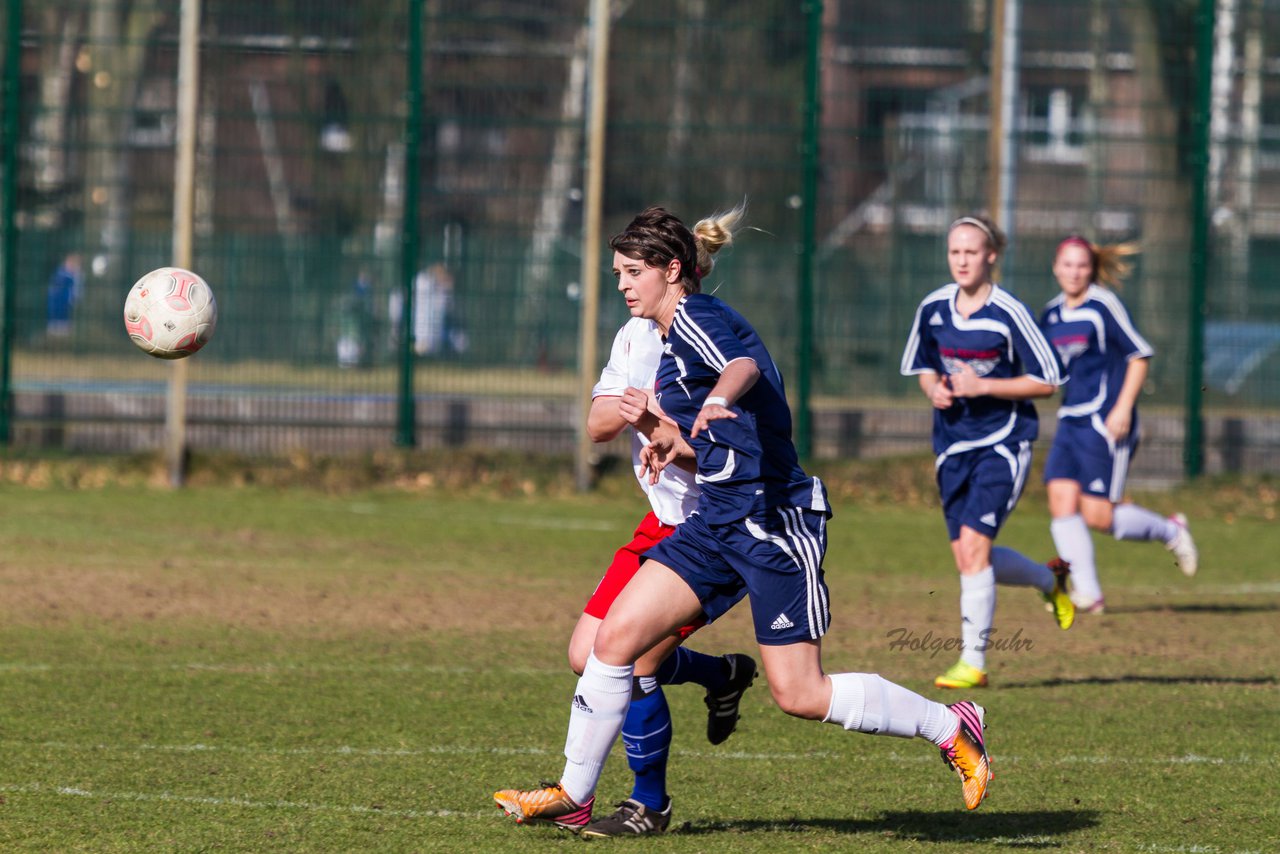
(338, 180)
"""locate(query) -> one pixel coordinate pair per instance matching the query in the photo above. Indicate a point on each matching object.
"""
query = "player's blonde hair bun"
(714, 233)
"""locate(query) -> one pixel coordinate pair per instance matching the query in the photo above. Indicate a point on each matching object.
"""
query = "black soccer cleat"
(722, 705)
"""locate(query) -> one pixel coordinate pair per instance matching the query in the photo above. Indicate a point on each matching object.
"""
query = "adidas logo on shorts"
(782, 622)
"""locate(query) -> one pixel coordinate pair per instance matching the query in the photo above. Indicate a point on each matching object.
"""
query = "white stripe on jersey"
(1031, 332)
(730, 464)
(1088, 407)
(1090, 316)
(996, 326)
(681, 372)
(687, 329)
(986, 441)
(1122, 319)
(913, 338)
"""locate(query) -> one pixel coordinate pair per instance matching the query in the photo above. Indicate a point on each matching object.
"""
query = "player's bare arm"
(604, 419)
(736, 379)
(1120, 419)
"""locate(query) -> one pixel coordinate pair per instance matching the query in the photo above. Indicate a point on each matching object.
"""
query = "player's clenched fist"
(633, 405)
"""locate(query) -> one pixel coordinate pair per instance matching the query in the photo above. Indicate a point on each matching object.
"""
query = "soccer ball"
(170, 313)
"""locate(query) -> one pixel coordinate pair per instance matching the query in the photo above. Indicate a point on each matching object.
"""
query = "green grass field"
(243, 669)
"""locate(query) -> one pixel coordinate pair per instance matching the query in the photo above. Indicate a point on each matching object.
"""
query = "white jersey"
(633, 362)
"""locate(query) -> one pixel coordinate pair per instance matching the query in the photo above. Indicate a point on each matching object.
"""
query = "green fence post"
(1193, 448)
(808, 226)
(8, 189)
(406, 412)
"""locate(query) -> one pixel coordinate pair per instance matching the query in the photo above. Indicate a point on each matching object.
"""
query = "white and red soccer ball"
(170, 313)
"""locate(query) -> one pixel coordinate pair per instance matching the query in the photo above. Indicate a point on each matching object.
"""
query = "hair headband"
(1076, 240)
(976, 223)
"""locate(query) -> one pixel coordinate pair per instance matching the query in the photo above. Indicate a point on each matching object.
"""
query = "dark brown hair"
(657, 237)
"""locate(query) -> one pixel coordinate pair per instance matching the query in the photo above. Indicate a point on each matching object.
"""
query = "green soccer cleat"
(962, 675)
(1059, 598)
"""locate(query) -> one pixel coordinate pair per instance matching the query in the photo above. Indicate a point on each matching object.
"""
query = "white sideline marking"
(1244, 588)
(925, 756)
(205, 800)
(258, 669)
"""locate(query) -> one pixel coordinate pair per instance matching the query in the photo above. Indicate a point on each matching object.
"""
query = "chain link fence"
(329, 199)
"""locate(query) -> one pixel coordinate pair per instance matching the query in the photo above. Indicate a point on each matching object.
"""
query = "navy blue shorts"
(775, 557)
(980, 488)
(1084, 451)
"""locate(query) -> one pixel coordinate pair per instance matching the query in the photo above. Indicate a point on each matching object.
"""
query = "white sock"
(1075, 545)
(866, 702)
(1017, 569)
(977, 612)
(599, 705)
(1131, 522)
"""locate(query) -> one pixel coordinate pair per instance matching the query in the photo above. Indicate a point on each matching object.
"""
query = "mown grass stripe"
(467, 750)
(241, 803)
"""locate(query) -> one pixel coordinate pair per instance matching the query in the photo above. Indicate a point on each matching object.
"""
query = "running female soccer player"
(1098, 420)
(673, 495)
(980, 359)
(760, 525)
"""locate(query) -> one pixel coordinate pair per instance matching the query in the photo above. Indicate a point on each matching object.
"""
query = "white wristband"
(716, 400)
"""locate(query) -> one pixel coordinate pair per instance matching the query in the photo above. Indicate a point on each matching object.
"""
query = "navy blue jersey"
(1000, 340)
(746, 464)
(1096, 340)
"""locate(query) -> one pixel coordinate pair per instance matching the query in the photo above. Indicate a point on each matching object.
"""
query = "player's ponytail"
(713, 234)
(1110, 267)
(658, 237)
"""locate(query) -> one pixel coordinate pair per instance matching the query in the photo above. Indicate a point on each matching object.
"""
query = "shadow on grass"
(1139, 679)
(1194, 608)
(1037, 829)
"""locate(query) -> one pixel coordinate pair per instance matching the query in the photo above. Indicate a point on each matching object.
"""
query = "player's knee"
(621, 640)
(972, 560)
(1098, 518)
(798, 703)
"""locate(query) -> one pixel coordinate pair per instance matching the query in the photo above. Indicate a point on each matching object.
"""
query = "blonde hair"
(1110, 267)
(714, 233)
(657, 237)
